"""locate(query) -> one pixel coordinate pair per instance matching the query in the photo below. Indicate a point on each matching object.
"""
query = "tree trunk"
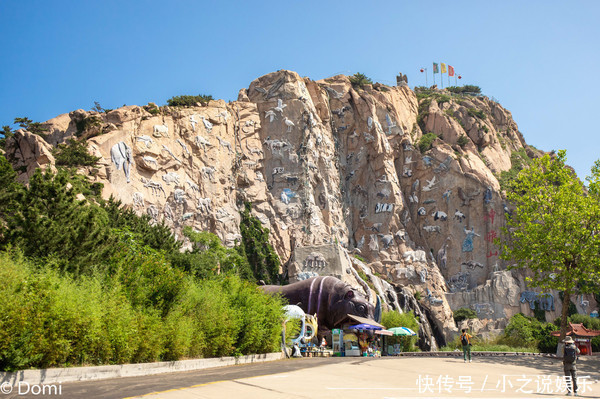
(565, 313)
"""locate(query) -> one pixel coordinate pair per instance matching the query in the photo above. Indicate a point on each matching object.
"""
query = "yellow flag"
(443, 68)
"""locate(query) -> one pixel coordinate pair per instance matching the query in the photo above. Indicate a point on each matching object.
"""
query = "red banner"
(450, 70)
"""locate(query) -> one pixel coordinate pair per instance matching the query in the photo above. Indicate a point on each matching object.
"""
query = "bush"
(189, 101)
(466, 89)
(530, 332)
(426, 141)
(476, 113)
(462, 140)
(138, 310)
(519, 160)
(359, 80)
(464, 314)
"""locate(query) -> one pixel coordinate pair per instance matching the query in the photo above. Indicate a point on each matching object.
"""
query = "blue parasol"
(364, 326)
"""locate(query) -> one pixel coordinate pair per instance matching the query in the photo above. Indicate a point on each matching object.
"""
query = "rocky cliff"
(337, 173)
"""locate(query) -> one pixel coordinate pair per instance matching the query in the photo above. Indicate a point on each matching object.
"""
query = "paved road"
(361, 378)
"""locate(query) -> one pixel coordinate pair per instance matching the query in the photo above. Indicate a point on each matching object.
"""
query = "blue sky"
(539, 59)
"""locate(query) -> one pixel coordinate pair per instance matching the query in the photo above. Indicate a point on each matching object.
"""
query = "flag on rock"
(450, 70)
(436, 68)
(443, 68)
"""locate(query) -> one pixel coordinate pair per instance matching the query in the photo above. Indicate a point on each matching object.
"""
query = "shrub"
(464, 314)
(426, 141)
(462, 140)
(519, 160)
(189, 101)
(476, 113)
(530, 332)
(359, 80)
(50, 319)
(74, 153)
(466, 89)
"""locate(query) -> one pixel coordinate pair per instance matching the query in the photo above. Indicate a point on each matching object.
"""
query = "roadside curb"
(72, 374)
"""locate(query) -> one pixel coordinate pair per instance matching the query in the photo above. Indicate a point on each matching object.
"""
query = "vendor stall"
(582, 337)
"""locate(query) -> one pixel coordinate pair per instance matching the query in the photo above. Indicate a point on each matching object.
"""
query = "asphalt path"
(348, 378)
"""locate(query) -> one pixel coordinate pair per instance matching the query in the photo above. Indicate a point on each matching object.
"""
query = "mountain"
(394, 189)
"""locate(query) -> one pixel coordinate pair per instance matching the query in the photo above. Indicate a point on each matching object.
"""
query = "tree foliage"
(209, 257)
(31, 126)
(359, 80)
(261, 256)
(464, 314)
(74, 153)
(189, 101)
(554, 230)
(392, 319)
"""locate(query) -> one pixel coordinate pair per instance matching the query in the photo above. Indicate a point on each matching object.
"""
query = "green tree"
(209, 257)
(49, 221)
(553, 232)
(6, 133)
(74, 153)
(360, 80)
(260, 254)
(31, 126)
(189, 101)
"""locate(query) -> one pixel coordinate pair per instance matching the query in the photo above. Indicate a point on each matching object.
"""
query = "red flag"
(450, 70)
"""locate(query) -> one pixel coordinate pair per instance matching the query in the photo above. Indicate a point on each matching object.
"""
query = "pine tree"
(262, 257)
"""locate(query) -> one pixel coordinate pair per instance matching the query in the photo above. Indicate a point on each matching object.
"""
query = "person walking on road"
(569, 360)
(465, 340)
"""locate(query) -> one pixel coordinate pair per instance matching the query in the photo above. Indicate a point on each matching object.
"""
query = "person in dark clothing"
(569, 363)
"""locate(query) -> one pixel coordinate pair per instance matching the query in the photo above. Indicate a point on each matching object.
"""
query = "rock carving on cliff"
(325, 162)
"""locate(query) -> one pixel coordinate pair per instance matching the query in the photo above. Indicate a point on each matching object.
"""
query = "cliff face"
(323, 163)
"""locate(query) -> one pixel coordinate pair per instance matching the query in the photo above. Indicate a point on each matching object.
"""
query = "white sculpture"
(168, 212)
(150, 160)
(194, 122)
(271, 115)
(179, 195)
(204, 205)
(208, 171)
(165, 148)
(207, 124)
(122, 157)
(160, 130)
(280, 105)
(201, 142)
(138, 199)
(431, 229)
(225, 144)
(171, 177)
(154, 186)
(184, 146)
(146, 139)
(289, 124)
(415, 256)
(430, 184)
(193, 185)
